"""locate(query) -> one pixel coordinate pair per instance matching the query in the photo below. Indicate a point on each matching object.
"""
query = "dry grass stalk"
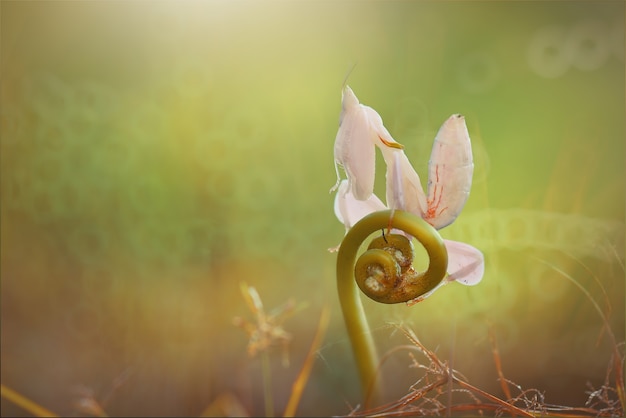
(430, 395)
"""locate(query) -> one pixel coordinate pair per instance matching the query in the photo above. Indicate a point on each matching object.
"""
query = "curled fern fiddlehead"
(385, 274)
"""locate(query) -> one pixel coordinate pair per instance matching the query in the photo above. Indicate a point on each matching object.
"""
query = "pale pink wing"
(450, 172)
(354, 149)
(404, 189)
(466, 264)
(350, 210)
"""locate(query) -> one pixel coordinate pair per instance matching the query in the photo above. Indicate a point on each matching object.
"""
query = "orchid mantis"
(449, 180)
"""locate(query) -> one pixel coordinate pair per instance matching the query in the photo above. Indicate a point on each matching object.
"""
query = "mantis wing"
(449, 172)
(466, 264)
(404, 189)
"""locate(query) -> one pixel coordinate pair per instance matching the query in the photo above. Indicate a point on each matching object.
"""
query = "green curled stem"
(349, 297)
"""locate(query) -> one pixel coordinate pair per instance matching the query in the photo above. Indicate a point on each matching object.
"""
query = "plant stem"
(22, 401)
(267, 384)
(360, 335)
(300, 382)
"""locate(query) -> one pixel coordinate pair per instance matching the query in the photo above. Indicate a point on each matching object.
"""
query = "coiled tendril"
(385, 274)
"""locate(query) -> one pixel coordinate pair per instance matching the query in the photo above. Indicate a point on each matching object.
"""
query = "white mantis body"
(360, 130)
(449, 180)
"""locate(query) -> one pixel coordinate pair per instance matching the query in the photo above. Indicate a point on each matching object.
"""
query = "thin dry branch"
(431, 393)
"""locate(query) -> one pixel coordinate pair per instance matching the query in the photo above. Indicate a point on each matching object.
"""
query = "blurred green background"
(156, 154)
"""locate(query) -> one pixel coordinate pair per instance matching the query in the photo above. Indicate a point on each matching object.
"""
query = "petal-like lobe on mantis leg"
(450, 172)
(354, 149)
(350, 210)
(466, 264)
(404, 189)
